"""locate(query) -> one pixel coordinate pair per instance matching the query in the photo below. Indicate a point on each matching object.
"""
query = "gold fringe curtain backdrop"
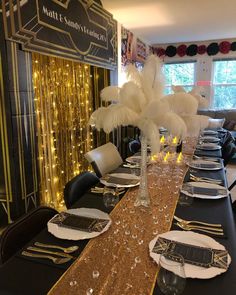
(63, 104)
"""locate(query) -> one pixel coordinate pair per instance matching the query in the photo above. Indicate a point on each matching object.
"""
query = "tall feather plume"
(110, 93)
(155, 110)
(118, 115)
(133, 74)
(152, 78)
(195, 124)
(175, 124)
(96, 118)
(178, 88)
(182, 103)
(132, 97)
(151, 131)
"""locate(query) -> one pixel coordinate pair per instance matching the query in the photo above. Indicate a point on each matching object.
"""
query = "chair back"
(228, 152)
(77, 187)
(104, 159)
(20, 232)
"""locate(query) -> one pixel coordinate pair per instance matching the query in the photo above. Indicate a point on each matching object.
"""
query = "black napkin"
(195, 255)
(208, 147)
(121, 181)
(207, 165)
(204, 190)
(77, 222)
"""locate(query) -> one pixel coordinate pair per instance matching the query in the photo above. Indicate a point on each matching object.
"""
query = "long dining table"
(120, 257)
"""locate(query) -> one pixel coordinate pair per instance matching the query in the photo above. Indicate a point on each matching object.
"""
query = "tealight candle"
(179, 158)
(162, 140)
(175, 140)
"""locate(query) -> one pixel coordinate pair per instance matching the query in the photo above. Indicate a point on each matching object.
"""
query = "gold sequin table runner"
(118, 261)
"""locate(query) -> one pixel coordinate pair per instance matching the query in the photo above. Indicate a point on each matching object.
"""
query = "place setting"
(182, 254)
(209, 139)
(203, 164)
(120, 180)
(201, 256)
(204, 190)
(79, 224)
(208, 146)
(208, 132)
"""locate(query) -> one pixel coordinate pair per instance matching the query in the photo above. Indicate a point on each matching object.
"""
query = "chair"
(77, 186)
(228, 152)
(20, 232)
(104, 159)
(134, 146)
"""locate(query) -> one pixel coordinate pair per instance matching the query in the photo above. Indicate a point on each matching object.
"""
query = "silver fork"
(56, 260)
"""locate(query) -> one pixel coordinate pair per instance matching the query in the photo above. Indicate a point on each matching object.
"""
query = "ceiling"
(174, 21)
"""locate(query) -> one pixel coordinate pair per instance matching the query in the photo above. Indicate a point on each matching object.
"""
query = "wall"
(204, 64)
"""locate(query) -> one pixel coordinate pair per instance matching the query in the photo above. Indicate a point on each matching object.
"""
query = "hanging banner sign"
(74, 29)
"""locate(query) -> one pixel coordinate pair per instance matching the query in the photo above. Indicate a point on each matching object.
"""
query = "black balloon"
(213, 48)
(233, 46)
(171, 50)
(191, 50)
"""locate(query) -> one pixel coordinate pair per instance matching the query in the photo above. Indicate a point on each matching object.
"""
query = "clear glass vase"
(143, 194)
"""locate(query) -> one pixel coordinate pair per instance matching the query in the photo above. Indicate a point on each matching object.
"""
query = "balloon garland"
(223, 47)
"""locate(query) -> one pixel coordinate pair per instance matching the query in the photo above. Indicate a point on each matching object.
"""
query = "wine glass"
(171, 277)
(110, 197)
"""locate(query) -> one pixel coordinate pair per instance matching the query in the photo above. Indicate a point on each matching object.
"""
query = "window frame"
(168, 86)
(219, 84)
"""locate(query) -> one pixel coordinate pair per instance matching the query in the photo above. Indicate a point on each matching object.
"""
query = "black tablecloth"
(21, 276)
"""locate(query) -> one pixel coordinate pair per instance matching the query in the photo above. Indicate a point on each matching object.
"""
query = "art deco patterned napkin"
(82, 223)
(196, 255)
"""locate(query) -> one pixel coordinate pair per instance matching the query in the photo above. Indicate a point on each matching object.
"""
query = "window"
(224, 84)
(182, 74)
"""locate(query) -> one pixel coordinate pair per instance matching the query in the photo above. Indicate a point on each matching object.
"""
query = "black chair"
(20, 232)
(77, 187)
(134, 146)
(228, 152)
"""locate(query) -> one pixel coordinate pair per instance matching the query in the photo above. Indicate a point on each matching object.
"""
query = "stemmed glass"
(171, 277)
(110, 197)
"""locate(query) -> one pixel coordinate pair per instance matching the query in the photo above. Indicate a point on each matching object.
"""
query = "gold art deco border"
(30, 42)
(5, 149)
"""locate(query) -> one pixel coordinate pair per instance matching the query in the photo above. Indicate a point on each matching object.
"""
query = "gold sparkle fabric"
(118, 261)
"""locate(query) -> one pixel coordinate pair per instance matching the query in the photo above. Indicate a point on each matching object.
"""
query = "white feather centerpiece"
(138, 103)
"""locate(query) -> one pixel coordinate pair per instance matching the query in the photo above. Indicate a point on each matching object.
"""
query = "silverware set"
(195, 225)
(41, 250)
(205, 179)
(100, 190)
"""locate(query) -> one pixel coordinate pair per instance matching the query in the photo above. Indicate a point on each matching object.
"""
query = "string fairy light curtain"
(63, 104)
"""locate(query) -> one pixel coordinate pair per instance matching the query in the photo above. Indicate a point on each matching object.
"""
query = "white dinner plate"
(192, 238)
(205, 165)
(74, 234)
(208, 146)
(224, 192)
(121, 176)
(210, 139)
